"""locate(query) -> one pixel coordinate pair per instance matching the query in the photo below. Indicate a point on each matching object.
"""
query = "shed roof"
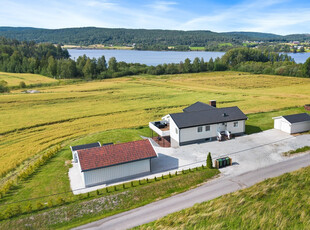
(207, 117)
(198, 106)
(110, 155)
(295, 118)
(86, 146)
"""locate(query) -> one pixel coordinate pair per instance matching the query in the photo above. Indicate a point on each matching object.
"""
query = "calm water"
(145, 57)
(159, 57)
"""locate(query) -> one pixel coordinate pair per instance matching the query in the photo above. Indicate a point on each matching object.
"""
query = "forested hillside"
(53, 61)
(142, 38)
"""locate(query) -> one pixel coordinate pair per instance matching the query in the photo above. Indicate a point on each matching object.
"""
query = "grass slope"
(277, 203)
(13, 79)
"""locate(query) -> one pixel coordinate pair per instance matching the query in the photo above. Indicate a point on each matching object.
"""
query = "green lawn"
(197, 48)
(277, 203)
(82, 209)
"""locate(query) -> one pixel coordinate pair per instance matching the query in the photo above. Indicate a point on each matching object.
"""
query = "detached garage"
(112, 163)
(295, 123)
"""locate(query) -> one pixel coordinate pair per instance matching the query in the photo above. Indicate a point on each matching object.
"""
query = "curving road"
(208, 191)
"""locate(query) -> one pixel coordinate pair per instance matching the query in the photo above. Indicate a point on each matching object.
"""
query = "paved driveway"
(248, 152)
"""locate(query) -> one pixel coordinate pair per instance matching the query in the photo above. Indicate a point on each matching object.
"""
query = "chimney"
(212, 103)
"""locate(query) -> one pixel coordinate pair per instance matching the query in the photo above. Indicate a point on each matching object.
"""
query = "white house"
(295, 123)
(110, 163)
(201, 122)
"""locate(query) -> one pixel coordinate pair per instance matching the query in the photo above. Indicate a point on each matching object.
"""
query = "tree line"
(53, 61)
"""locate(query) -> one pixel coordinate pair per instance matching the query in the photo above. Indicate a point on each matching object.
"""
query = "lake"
(145, 57)
(159, 57)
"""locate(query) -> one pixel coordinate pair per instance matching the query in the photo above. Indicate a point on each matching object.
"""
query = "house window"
(176, 130)
(207, 128)
(199, 129)
(236, 124)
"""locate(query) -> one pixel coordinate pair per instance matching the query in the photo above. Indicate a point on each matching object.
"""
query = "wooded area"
(53, 61)
(143, 39)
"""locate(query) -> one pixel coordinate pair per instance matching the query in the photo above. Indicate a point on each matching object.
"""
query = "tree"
(187, 66)
(302, 49)
(88, 69)
(209, 161)
(112, 64)
(196, 65)
(22, 85)
(211, 65)
(52, 66)
(101, 64)
(4, 87)
(306, 68)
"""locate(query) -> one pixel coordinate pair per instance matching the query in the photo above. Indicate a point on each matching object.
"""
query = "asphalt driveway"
(248, 152)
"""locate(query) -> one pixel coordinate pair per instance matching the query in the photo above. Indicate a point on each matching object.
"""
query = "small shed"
(295, 123)
(111, 163)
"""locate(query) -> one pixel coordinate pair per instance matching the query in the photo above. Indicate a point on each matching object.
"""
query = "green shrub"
(28, 208)
(40, 206)
(209, 161)
(22, 85)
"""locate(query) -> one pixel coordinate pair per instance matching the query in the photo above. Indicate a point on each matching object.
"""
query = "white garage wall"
(277, 123)
(102, 175)
(300, 127)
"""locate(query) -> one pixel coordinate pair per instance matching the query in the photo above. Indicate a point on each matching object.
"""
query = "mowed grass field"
(30, 123)
(13, 79)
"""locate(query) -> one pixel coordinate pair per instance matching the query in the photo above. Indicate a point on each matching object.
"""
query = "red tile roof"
(109, 155)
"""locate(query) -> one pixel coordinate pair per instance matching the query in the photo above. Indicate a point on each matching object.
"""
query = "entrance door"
(221, 127)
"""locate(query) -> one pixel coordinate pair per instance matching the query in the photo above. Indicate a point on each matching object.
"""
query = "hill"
(140, 37)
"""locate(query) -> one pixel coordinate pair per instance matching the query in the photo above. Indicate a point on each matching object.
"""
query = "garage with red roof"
(111, 163)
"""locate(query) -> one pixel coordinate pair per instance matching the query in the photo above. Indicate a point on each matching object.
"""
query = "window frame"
(199, 129)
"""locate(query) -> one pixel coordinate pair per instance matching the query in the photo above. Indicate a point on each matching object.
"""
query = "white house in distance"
(295, 123)
(200, 122)
(115, 162)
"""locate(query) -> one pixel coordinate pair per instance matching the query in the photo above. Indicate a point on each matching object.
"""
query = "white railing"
(158, 130)
(227, 134)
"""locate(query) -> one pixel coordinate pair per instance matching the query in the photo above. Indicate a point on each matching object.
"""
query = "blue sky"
(272, 16)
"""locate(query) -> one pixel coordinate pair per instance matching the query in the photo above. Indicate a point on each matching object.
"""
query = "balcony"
(160, 127)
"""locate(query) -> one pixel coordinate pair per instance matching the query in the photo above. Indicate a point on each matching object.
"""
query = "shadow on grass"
(249, 129)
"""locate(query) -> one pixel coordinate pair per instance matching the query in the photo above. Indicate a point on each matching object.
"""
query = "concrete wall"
(113, 173)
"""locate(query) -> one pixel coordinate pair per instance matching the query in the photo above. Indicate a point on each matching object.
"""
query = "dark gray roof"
(87, 146)
(295, 118)
(198, 106)
(207, 117)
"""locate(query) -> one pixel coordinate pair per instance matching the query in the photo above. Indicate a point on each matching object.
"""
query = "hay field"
(13, 79)
(30, 123)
